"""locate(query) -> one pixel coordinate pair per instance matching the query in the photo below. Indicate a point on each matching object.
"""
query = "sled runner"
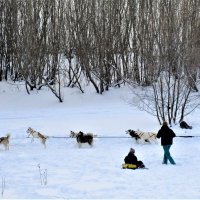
(131, 166)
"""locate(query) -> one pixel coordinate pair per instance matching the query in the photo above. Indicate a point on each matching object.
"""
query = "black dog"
(84, 138)
(184, 125)
(133, 134)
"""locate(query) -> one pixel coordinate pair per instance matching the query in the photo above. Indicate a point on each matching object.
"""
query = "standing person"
(166, 134)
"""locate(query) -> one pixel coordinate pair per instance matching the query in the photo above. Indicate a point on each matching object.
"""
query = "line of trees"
(105, 42)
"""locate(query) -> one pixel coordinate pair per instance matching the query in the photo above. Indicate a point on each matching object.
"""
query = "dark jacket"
(131, 159)
(166, 134)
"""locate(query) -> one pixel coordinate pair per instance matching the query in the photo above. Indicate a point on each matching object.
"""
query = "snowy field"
(65, 171)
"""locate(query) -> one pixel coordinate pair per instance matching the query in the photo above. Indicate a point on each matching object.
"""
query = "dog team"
(165, 133)
(81, 137)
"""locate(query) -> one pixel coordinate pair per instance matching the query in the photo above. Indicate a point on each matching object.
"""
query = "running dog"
(143, 137)
(5, 141)
(36, 134)
(82, 137)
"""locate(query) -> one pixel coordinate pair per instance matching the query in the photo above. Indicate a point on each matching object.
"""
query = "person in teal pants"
(166, 134)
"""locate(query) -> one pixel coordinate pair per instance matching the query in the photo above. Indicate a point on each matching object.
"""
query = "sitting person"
(132, 159)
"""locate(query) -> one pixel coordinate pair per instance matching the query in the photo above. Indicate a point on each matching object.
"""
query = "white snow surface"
(70, 172)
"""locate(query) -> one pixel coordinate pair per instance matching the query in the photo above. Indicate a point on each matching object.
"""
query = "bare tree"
(103, 43)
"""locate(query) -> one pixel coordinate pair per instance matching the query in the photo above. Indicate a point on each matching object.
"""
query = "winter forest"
(109, 70)
(154, 45)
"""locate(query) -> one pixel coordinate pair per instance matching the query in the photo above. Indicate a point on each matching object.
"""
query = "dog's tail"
(8, 135)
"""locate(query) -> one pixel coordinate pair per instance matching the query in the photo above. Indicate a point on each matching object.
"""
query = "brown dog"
(5, 141)
(36, 134)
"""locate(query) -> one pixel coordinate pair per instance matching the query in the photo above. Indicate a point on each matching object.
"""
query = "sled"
(131, 166)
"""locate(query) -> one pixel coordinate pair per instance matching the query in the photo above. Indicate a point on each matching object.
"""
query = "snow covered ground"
(63, 170)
